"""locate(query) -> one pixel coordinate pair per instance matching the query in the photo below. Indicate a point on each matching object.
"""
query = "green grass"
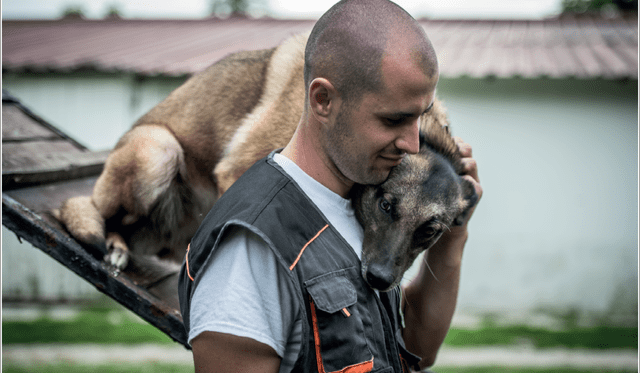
(117, 325)
(601, 337)
(96, 325)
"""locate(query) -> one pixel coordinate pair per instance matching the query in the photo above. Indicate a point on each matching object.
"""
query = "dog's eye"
(384, 205)
(429, 232)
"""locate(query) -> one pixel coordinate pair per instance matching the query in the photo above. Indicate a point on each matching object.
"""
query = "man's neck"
(305, 151)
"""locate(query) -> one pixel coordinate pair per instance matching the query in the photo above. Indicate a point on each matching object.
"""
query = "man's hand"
(430, 299)
(470, 170)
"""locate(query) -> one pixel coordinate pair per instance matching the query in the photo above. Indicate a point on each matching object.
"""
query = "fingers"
(470, 166)
(465, 149)
(476, 185)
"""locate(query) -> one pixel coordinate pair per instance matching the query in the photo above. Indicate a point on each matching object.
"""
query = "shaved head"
(349, 42)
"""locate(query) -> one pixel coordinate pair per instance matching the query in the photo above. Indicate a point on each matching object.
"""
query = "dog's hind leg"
(139, 173)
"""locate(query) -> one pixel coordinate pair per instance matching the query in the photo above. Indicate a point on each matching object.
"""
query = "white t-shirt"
(241, 291)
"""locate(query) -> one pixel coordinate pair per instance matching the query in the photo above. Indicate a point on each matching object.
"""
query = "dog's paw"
(117, 258)
(117, 251)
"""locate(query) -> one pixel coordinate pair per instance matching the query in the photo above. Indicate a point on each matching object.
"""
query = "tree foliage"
(113, 11)
(581, 6)
(243, 8)
(73, 11)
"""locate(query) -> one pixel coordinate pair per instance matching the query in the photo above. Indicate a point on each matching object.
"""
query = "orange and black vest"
(348, 327)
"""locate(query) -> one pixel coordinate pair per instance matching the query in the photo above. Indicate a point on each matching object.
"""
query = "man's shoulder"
(266, 193)
(232, 298)
(250, 193)
(263, 178)
(268, 202)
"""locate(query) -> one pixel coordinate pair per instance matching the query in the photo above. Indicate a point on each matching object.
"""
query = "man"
(259, 303)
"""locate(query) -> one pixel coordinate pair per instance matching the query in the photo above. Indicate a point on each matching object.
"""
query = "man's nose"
(408, 140)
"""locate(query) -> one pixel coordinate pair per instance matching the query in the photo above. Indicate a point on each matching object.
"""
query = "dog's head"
(422, 198)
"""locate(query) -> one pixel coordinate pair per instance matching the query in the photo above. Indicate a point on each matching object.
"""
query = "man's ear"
(322, 98)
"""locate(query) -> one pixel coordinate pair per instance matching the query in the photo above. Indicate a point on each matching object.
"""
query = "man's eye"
(394, 121)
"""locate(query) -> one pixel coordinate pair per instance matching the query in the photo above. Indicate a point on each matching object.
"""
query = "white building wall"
(30, 274)
(95, 109)
(556, 227)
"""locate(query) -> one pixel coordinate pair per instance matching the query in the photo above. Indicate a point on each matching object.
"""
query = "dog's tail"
(81, 218)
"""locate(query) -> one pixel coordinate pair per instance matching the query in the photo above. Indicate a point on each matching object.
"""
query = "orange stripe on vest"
(363, 367)
(305, 246)
(186, 259)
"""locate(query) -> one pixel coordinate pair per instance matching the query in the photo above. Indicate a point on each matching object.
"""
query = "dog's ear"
(469, 200)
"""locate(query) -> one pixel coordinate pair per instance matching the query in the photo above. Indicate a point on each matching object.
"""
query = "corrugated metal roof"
(581, 47)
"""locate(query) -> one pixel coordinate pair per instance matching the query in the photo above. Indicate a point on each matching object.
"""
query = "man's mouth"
(394, 159)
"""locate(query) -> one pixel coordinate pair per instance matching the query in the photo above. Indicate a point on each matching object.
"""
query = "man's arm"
(238, 319)
(220, 352)
(430, 299)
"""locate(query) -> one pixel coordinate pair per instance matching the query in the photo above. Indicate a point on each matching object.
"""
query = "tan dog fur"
(165, 173)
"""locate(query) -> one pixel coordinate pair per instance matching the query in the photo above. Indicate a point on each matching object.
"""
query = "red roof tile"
(581, 47)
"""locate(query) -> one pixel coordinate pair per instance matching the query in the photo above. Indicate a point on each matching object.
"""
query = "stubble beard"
(342, 147)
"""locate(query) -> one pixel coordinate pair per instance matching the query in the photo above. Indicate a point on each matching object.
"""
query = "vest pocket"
(339, 337)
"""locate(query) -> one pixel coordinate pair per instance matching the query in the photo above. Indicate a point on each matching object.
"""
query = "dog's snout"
(379, 277)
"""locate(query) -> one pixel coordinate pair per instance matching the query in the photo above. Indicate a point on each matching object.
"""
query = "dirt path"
(481, 356)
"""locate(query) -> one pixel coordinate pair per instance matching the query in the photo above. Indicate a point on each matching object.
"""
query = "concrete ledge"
(448, 356)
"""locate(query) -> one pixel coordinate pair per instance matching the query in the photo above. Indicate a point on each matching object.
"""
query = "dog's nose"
(379, 277)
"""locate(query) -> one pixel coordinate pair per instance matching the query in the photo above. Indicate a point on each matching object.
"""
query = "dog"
(167, 171)
(405, 215)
